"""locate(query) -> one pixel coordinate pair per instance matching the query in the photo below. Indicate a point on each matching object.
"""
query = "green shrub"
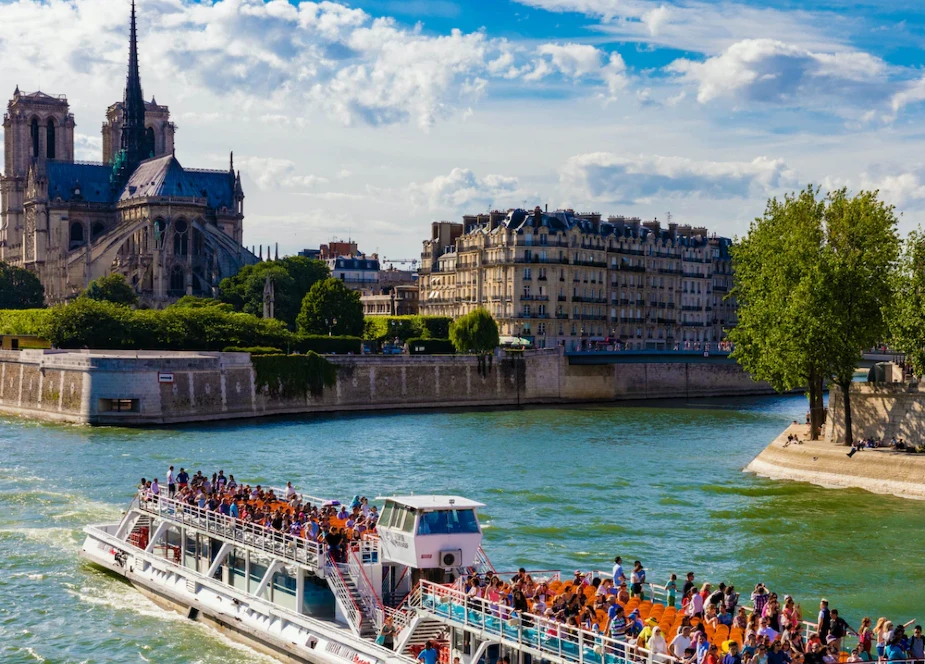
(292, 376)
(475, 332)
(319, 343)
(23, 321)
(87, 323)
(386, 328)
(253, 350)
(431, 347)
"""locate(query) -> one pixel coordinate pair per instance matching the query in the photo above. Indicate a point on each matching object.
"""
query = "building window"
(526, 310)
(527, 273)
(34, 132)
(541, 328)
(50, 139)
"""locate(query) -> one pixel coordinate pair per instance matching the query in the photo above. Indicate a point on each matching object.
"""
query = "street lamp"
(330, 323)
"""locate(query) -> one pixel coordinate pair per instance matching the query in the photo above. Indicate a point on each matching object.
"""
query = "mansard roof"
(217, 186)
(161, 176)
(92, 179)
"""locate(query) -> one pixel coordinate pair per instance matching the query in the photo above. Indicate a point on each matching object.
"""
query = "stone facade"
(170, 231)
(575, 280)
(150, 387)
(878, 410)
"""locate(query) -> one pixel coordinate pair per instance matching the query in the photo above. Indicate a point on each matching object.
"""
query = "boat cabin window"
(398, 517)
(448, 522)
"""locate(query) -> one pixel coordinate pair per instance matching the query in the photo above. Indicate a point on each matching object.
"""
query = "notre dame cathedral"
(170, 231)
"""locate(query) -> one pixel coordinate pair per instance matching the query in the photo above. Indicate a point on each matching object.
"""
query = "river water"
(565, 488)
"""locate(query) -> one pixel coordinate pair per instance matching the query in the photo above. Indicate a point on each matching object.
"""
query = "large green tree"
(112, 288)
(475, 332)
(292, 278)
(19, 288)
(907, 318)
(812, 284)
(331, 308)
(862, 251)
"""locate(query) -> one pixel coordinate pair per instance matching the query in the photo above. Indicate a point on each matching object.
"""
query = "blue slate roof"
(161, 176)
(217, 186)
(63, 179)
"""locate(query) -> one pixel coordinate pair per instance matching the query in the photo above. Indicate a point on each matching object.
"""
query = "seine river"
(564, 488)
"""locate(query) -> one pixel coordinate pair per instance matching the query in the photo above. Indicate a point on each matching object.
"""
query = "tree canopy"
(907, 318)
(331, 307)
(112, 288)
(475, 332)
(292, 278)
(812, 284)
(19, 288)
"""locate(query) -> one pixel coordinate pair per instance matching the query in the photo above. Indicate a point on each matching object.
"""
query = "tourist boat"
(286, 595)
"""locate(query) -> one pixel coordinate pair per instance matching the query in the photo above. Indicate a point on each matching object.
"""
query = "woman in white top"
(658, 648)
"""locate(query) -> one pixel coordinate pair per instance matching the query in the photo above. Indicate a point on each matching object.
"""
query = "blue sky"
(375, 118)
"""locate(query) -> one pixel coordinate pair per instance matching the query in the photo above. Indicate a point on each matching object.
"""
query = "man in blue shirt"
(429, 654)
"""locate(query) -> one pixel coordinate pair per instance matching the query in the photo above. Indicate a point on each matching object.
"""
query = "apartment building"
(573, 279)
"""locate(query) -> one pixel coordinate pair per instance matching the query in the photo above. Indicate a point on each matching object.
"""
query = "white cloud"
(273, 173)
(902, 189)
(580, 62)
(912, 93)
(769, 71)
(462, 190)
(604, 176)
(705, 27)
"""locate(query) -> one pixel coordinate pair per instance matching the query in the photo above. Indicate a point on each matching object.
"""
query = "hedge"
(431, 347)
(86, 323)
(386, 328)
(323, 344)
(254, 350)
(23, 321)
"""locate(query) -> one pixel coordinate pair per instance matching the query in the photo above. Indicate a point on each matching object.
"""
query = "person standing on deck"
(825, 619)
(171, 484)
(618, 574)
(839, 629)
(429, 654)
(637, 578)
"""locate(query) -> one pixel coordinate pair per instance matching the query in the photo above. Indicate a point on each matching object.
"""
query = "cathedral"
(171, 231)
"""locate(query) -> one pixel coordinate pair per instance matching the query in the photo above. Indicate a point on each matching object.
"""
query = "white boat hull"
(251, 620)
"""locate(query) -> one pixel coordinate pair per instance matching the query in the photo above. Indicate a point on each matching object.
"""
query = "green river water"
(565, 488)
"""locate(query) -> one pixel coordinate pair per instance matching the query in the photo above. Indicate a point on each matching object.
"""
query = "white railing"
(248, 535)
(342, 592)
(552, 640)
(367, 549)
(371, 604)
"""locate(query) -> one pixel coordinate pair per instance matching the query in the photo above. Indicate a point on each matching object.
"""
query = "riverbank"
(137, 388)
(826, 464)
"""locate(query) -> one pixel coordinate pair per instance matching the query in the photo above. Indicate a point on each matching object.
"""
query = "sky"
(370, 119)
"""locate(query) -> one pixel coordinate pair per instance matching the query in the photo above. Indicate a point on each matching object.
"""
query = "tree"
(862, 253)
(329, 301)
(475, 332)
(20, 289)
(292, 278)
(196, 302)
(112, 288)
(808, 291)
(907, 318)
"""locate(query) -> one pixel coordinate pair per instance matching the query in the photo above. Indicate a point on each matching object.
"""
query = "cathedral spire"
(133, 108)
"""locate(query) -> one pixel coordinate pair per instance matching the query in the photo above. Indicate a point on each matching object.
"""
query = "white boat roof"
(425, 502)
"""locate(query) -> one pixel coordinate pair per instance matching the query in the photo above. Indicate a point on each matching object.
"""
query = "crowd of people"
(710, 625)
(333, 524)
(896, 444)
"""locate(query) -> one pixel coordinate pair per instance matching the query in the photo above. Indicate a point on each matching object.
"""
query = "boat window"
(448, 522)
(386, 514)
(398, 516)
(408, 525)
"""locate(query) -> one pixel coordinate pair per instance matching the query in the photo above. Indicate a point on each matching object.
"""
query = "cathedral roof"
(217, 186)
(161, 176)
(92, 180)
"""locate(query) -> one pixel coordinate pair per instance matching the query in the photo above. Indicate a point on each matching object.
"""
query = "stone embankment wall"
(825, 463)
(879, 410)
(161, 387)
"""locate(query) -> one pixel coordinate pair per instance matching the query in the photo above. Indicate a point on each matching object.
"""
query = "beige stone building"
(170, 231)
(563, 278)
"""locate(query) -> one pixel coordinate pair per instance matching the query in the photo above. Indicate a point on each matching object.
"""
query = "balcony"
(561, 316)
(633, 268)
(561, 298)
(665, 321)
(721, 289)
(526, 296)
(541, 298)
(665, 270)
(688, 307)
(632, 320)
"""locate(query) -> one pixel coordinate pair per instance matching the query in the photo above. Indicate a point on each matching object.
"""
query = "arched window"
(149, 142)
(159, 228)
(177, 281)
(96, 230)
(180, 234)
(34, 131)
(50, 139)
(76, 235)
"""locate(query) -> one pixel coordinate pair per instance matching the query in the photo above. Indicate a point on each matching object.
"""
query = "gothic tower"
(133, 127)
